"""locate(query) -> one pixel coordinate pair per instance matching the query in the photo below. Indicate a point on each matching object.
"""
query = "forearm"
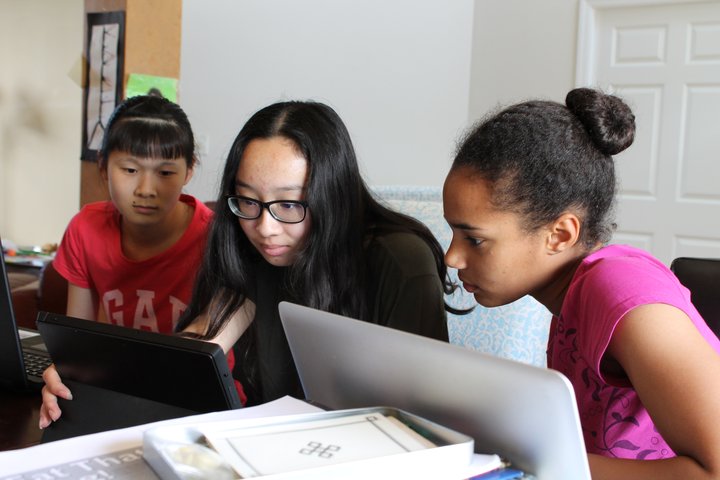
(230, 332)
(81, 303)
(681, 467)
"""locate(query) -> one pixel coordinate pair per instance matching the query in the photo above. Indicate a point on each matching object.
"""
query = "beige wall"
(521, 49)
(40, 104)
(396, 71)
(405, 117)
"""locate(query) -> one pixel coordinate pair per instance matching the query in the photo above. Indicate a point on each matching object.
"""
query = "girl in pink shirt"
(529, 199)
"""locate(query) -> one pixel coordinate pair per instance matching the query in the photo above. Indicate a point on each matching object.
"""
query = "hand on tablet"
(54, 388)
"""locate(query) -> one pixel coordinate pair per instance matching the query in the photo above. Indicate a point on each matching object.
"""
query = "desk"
(21, 265)
(78, 453)
(96, 454)
(19, 416)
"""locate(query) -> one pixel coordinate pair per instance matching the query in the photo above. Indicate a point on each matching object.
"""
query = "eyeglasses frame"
(266, 206)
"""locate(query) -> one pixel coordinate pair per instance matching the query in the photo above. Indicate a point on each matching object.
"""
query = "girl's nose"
(267, 225)
(454, 258)
(145, 186)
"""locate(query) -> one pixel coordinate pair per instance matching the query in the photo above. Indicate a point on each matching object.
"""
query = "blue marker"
(502, 474)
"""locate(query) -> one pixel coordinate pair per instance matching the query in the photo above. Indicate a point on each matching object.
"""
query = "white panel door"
(665, 61)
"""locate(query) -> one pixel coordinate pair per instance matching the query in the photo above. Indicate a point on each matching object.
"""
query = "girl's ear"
(189, 175)
(102, 167)
(564, 233)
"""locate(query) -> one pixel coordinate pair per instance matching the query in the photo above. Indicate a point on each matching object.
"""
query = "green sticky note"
(141, 84)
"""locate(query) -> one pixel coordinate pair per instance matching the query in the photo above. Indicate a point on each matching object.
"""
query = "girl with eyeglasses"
(295, 221)
(132, 260)
(529, 198)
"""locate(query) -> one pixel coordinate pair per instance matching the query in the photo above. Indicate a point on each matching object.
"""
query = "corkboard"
(152, 38)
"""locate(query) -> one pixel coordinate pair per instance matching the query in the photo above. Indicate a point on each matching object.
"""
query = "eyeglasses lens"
(244, 208)
(289, 212)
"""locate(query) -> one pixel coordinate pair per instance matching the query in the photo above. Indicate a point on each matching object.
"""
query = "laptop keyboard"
(36, 364)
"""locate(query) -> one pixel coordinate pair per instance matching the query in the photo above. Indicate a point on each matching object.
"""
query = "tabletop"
(19, 416)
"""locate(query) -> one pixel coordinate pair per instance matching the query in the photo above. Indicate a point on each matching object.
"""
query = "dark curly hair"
(543, 158)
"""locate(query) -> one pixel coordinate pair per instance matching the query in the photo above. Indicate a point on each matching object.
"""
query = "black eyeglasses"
(285, 211)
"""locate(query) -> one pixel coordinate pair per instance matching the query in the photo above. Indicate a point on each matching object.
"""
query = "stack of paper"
(280, 447)
(349, 444)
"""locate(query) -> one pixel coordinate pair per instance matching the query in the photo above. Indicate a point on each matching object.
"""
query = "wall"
(522, 49)
(397, 73)
(40, 44)
(406, 76)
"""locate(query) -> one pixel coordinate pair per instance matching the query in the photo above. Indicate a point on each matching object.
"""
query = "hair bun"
(607, 119)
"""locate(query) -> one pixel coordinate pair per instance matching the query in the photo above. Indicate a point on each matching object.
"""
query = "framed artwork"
(104, 53)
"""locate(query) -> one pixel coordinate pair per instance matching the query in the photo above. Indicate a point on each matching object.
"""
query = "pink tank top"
(608, 284)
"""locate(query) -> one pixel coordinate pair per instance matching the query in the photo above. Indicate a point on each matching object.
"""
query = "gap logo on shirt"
(140, 311)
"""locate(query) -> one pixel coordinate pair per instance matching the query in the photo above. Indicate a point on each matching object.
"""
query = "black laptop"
(120, 376)
(23, 356)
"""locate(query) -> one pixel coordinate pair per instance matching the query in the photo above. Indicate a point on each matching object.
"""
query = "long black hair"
(542, 158)
(330, 269)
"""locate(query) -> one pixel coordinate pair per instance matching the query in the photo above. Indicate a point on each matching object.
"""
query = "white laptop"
(525, 414)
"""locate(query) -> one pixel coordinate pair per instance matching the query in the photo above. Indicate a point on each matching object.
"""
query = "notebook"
(22, 360)
(122, 376)
(523, 413)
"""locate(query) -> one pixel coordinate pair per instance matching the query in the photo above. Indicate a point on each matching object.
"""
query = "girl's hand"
(54, 388)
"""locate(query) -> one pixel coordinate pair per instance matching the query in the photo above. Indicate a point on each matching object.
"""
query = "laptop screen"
(12, 369)
(523, 413)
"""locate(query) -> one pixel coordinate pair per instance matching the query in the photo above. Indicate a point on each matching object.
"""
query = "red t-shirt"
(149, 294)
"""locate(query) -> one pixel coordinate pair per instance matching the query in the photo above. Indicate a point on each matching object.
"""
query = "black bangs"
(151, 138)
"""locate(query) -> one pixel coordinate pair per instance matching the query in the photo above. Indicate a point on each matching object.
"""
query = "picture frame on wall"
(103, 82)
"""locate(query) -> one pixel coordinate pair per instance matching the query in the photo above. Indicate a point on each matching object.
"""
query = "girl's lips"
(144, 209)
(469, 287)
(274, 250)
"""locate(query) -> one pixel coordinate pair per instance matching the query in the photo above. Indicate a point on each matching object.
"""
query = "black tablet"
(176, 375)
